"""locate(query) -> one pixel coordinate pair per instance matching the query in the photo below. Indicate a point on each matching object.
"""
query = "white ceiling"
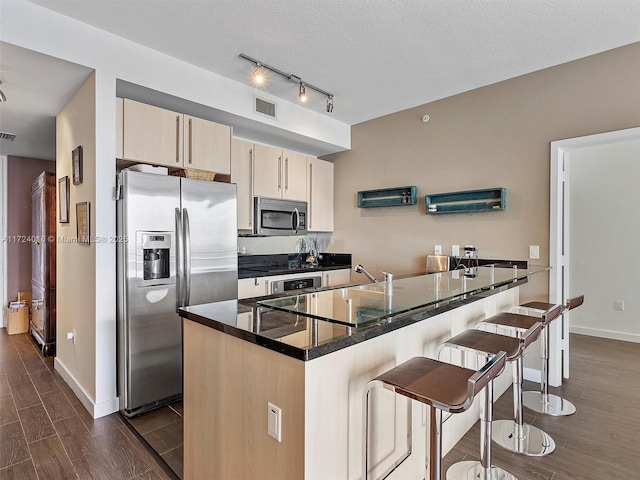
(375, 56)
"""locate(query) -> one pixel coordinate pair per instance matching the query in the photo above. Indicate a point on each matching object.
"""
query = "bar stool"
(543, 401)
(441, 386)
(515, 435)
(487, 343)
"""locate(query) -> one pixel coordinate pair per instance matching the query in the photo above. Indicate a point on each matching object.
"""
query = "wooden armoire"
(43, 262)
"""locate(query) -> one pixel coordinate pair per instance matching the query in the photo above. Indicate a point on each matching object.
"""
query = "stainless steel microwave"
(273, 217)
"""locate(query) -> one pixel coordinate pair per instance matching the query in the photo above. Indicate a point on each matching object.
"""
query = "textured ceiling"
(376, 56)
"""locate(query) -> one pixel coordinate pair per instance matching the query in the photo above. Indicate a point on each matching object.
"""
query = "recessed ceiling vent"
(7, 136)
(264, 107)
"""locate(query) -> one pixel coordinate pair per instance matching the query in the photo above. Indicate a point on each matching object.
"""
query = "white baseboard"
(96, 410)
(596, 332)
(532, 374)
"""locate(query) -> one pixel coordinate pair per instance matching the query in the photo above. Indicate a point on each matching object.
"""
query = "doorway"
(580, 219)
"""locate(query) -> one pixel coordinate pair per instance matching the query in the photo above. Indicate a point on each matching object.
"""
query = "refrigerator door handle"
(179, 260)
(296, 216)
(187, 255)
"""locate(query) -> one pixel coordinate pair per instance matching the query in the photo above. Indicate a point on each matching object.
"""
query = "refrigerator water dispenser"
(156, 255)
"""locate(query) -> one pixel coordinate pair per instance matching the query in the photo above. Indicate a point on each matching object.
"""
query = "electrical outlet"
(618, 305)
(274, 422)
(455, 250)
(534, 252)
(437, 250)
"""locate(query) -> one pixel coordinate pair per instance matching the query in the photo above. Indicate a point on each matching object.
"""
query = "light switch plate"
(455, 250)
(437, 249)
(534, 252)
(274, 421)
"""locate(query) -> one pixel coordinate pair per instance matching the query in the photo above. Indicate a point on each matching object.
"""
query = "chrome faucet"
(388, 277)
(360, 269)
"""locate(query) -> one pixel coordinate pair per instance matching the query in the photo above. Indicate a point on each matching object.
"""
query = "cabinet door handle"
(177, 138)
(190, 140)
(311, 199)
(256, 282)
(286, 173)
(251, 186)
(279, 172)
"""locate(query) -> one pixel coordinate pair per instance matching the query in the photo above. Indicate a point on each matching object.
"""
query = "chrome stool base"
(552, 405)
(473, 470)
(534, 442)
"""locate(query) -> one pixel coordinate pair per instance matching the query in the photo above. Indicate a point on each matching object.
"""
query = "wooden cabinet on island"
(279, 174)
(158, 136)
(241, 356)
(320, 195)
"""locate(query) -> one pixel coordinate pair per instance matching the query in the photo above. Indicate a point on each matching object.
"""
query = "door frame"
(559, 234)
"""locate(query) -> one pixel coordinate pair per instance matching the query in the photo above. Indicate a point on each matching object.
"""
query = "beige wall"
(495, 136)
(76, 271)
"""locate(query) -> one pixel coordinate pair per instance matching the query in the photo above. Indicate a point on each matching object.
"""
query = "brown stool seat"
(569, 305)
(442, 386)
(512, 320)
(543, 401)
(490, 343)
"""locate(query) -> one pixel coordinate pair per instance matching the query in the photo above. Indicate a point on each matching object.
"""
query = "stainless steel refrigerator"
(177, 246)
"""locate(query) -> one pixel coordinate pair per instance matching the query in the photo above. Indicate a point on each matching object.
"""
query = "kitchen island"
(311, 355)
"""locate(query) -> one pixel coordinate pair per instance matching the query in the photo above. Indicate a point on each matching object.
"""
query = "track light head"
(330, 104)
(302, 93)
(259, 77)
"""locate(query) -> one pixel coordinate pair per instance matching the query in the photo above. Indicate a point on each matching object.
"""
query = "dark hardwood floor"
(600, 441)
(45, 433)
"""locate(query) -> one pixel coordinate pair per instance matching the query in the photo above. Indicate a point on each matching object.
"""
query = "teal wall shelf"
(468, 201)
(388, 197)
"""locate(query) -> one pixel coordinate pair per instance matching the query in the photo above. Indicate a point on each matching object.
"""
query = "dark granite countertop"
(306, 338)
(253, 266)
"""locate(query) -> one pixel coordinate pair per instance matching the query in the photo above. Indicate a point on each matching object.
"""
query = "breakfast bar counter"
(311, 355)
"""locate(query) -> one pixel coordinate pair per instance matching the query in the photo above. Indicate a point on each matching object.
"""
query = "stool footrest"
(473, 469)
(552, 405)
(534, 442)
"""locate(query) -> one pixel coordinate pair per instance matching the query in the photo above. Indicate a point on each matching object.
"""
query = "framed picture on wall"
(76, 159)
(63, 199)
(83, 222)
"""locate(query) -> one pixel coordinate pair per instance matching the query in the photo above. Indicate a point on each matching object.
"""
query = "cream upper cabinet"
(279, 174)
(151, 134)
(241, 175)
(207, 145)
(320, 195)
(158, 136)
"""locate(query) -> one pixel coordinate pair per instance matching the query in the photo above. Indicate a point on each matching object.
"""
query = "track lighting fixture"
(260, 70)
(330, 104)
(2, 97)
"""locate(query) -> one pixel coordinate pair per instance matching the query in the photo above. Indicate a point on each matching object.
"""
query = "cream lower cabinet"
(320, 195)
(335, 278)
(158, 136)
(279, 174)
(241, 175)
(252, 287)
